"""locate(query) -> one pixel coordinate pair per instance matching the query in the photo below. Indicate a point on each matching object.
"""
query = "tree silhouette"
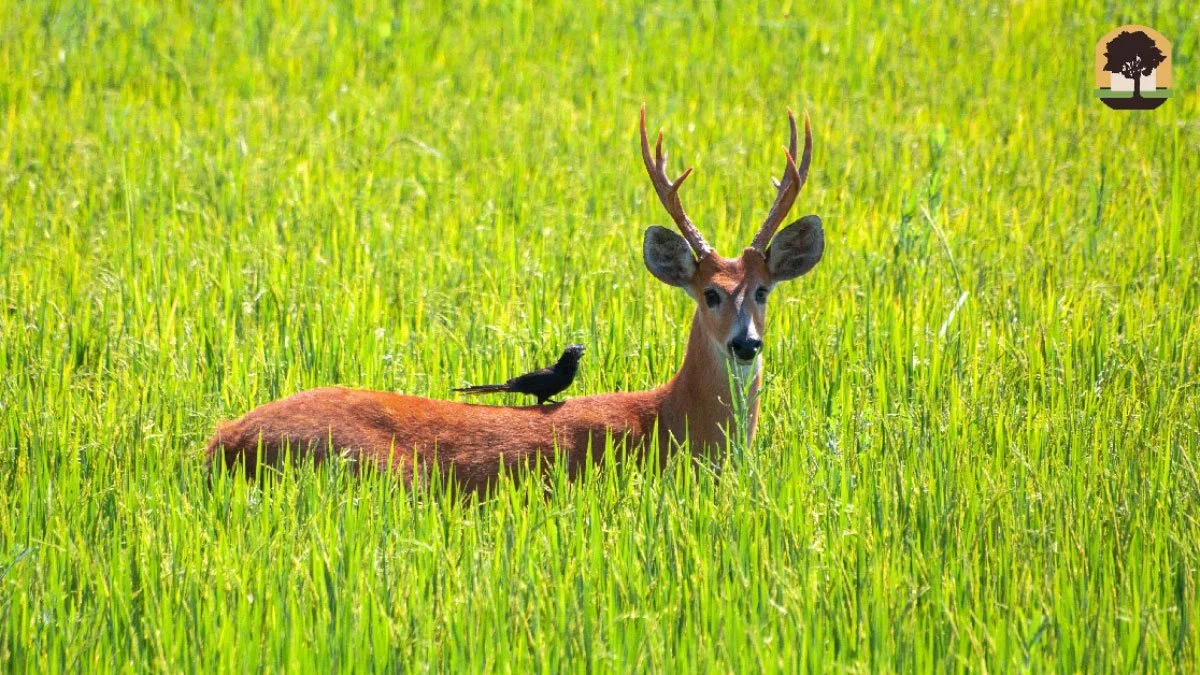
(1133, 55)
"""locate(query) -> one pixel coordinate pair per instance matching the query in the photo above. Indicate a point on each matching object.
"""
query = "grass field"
(979, 444)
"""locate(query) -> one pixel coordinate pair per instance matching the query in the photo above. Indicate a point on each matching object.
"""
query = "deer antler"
(668, 191)
(793, 180)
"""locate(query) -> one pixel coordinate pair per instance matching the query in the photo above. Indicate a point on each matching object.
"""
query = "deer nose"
(745, 348)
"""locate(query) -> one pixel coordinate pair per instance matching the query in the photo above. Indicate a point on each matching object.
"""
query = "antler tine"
(668, 190)
(789, 187)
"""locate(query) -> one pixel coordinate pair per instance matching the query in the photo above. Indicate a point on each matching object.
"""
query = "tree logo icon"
(1133, 68)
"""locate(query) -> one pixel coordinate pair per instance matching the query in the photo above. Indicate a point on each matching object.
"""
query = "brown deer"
(474, 443)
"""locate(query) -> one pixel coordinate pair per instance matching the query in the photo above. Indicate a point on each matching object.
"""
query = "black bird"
(542, 383)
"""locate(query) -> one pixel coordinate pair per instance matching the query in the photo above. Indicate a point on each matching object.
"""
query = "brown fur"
(390, 430)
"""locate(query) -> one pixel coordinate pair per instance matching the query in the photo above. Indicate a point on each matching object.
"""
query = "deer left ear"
(668, 256)
(796, 249)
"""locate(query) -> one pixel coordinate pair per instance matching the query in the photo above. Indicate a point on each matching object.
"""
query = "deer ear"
(668, 256)
(796, 249)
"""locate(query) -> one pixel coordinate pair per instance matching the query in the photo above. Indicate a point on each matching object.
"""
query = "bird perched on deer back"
(542, 383)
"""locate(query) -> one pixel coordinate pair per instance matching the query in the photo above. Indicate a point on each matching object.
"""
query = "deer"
(476, 444)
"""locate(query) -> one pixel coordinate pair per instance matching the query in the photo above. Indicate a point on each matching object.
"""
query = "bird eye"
(712, 298)
(760, 296)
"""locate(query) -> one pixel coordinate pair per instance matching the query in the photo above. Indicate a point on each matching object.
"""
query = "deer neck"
(697, 403)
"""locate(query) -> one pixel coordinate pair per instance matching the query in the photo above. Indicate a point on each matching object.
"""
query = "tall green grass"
(978, 446)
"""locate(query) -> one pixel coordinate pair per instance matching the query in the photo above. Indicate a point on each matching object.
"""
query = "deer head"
(731, 293)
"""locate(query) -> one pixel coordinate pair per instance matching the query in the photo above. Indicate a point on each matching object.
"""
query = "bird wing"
(542, 380)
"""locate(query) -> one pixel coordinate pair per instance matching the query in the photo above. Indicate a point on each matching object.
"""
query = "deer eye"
(760, 296)
(712, 298)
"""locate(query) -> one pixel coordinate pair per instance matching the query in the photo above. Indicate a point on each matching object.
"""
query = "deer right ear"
(796, 249)
(668, 256)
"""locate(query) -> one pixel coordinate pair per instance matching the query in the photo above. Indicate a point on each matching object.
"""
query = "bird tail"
(482, 389)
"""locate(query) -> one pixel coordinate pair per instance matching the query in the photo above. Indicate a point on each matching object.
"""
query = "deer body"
(411, 434)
